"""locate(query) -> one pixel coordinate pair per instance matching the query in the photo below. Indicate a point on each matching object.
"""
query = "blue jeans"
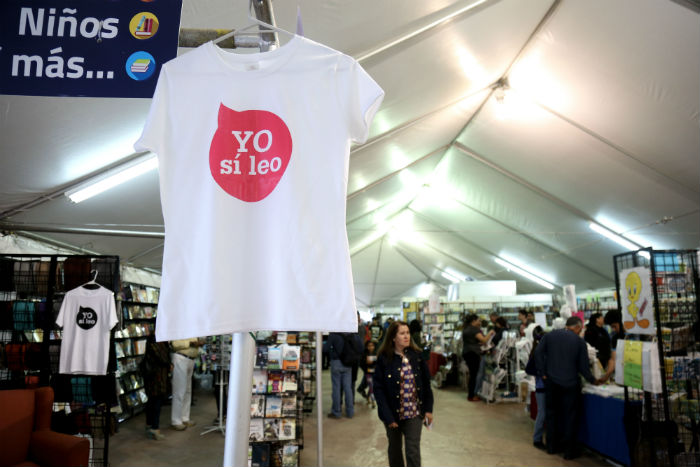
(541, 398)
(341, 376)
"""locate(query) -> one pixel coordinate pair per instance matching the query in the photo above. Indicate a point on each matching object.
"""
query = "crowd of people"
(395, 379)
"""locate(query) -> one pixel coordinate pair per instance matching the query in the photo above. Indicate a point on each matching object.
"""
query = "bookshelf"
(138, 305)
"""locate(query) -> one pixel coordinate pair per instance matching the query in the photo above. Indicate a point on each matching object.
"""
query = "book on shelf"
(256, 430)
(289, 406)
(290, 357)
(306, 372)
(257, 405)
(271, 428)
(290, 455)
(260, 455)
(259, 381)
(274, 381)
(289, 381)
(291, 338)
(309, 386)
(264, 336)
(281, 337)
(140, 347)
(288, 429)
(142, 295)
(274, 357)
(305, 355)
(261, 356)
(273, 406)
(303, 338)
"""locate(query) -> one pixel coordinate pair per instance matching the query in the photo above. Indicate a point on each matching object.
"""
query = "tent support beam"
(145, 252)
(521, 181)
(667, 180)
(419, 31)
(395, 173)
(79, 230)
(530, 237)
(376, 268)
(400, 251)
(410, 123)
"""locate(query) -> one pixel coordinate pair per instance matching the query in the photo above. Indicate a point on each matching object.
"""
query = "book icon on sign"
(140, 66)
(145, 27)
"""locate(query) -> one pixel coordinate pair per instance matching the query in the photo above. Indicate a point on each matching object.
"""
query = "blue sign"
(91, 48)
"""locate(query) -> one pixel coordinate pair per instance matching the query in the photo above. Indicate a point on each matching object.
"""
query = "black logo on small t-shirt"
(86, 318)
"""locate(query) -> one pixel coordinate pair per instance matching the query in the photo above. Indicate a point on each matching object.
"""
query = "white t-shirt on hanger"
(253, 154)
(86, 316)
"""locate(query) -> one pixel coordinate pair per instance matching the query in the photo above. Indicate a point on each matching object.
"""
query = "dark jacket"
(155, 369)
(599, 338)
(387, 381)
(561, 356)
(336, 341)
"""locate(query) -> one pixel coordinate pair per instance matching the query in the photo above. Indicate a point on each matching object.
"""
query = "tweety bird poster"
(637, 301)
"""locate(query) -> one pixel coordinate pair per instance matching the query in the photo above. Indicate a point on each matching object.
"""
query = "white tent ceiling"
(599, 122)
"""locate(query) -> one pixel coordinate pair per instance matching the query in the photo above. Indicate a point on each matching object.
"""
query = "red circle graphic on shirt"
(249, 153)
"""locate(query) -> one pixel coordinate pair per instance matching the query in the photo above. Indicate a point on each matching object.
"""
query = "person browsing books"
(472, 340)
(403, 393)
(184, 353)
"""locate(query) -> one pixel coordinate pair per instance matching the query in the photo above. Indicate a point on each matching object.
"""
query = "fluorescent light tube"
(524, 273)
(617, 238)
(450, 277)
(111, 179)
(455, 273)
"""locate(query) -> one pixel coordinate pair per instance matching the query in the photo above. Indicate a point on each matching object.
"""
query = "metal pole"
(239, 395)
(319, 400)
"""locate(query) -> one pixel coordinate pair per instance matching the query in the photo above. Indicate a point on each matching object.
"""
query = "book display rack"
(32, 288)
(660, 367)
(138, 305)
(282, 383)
(498, 382)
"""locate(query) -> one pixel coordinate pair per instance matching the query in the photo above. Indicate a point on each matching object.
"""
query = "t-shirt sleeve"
(113, 320)
(62, 312)
(360, 96)
(155, 129)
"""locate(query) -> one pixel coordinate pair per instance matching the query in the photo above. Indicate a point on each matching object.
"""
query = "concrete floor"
(464, 434)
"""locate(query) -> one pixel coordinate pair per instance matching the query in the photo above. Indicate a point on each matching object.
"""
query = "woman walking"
(403, 393)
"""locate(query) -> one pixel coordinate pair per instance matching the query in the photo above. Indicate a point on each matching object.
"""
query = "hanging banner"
(632, 364)
(637, 301)
(91, 48)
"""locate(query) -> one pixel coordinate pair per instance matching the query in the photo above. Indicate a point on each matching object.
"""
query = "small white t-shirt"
(253, 154)
(86, 317)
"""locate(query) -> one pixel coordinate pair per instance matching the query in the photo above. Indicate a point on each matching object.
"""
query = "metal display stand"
(220, 427)
(663, 427)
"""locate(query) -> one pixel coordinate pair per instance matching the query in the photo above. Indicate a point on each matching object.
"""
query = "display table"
(602, 427)
(436, 359)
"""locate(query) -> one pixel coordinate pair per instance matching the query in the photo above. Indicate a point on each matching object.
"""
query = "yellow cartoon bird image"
(633, 285)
